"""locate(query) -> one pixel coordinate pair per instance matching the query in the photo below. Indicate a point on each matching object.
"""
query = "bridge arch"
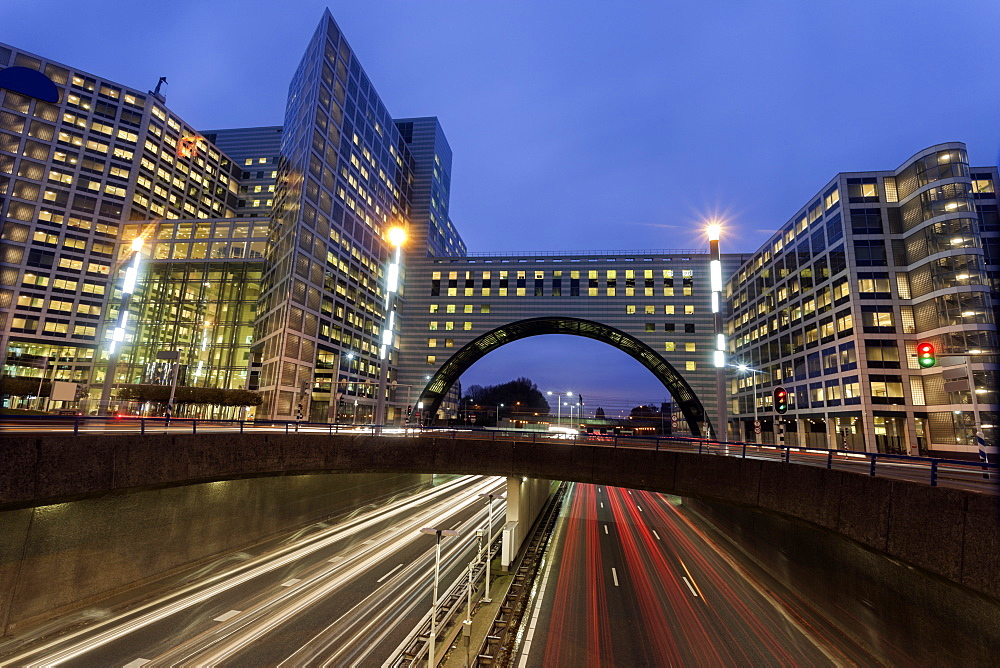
(452, 369)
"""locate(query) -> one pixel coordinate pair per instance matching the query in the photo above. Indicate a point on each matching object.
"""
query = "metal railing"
(936, 472)
(584, 253)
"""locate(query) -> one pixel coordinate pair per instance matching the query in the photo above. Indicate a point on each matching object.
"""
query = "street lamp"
(397, 236)
(489, 539)
(437, 576)
(118, 333)
(558, 396)
(719, 356)
(347, 382)
(499, 406)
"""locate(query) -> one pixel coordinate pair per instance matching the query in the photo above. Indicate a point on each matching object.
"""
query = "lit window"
(690, 366)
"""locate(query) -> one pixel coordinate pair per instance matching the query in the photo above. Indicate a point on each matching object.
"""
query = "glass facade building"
(72, 172)
(345, 178)
(659, 298)
(256, 151)
(833, 306)
(197, 293)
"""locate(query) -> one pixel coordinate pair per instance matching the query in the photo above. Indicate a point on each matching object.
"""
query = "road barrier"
(973, 476)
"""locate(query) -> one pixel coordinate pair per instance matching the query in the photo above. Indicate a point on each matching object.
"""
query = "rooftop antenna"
(156, 91)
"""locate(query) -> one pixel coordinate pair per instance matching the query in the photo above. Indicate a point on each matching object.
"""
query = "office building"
(345, 178)
(833, 306)
(73, 169)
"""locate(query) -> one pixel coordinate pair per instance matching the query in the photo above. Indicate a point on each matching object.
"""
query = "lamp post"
(558, 396)
(489, 540)
(499, 406)
(397, 236)
(41, 381)
(348, 383)
(437, 575)
(118, 333)
(719, 356)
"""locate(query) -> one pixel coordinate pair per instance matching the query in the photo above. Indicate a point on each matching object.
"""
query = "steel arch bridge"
(449, 372)
(654, 305)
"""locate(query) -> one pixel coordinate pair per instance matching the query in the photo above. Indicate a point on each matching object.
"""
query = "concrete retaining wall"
(59, 557)
(952, 534)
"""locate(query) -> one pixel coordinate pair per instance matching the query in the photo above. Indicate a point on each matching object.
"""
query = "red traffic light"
(780, 400)
(925, 355)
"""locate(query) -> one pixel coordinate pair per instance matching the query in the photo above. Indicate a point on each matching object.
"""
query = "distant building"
(256, 151)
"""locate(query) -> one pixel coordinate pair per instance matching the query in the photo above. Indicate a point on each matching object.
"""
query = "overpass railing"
(937, 472)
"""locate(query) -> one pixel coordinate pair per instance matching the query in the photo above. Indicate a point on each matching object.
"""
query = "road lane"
(655, 590)
(337, 566)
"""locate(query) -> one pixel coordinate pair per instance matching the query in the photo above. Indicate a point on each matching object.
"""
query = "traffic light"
(780, 400)
(925, 355)
(409, 410)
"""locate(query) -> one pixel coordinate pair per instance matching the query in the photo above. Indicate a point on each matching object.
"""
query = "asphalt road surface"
(631, 581)
(340, 595)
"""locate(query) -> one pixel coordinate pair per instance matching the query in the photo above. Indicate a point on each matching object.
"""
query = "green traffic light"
(925, 355)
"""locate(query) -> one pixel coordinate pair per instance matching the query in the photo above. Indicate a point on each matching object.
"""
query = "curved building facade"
(833, 307)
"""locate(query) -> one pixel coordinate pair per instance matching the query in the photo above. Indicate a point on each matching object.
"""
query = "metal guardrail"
(449, 613)
(937, 472)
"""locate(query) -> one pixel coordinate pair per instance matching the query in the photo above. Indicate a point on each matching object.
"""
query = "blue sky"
(587, 125)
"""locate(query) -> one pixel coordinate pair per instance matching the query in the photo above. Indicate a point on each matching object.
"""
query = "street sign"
(168, 355)
(756, 426)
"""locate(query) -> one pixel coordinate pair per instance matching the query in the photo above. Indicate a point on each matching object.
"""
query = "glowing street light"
(396, 237)
(558, 396)
(118, 333)
(714, 229)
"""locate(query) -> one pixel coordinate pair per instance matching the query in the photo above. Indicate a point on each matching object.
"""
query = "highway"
(337, 595)
(631, 581)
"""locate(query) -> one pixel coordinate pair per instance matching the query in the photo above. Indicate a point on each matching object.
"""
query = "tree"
(211, 396)
(599, 413)
(512, 393)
